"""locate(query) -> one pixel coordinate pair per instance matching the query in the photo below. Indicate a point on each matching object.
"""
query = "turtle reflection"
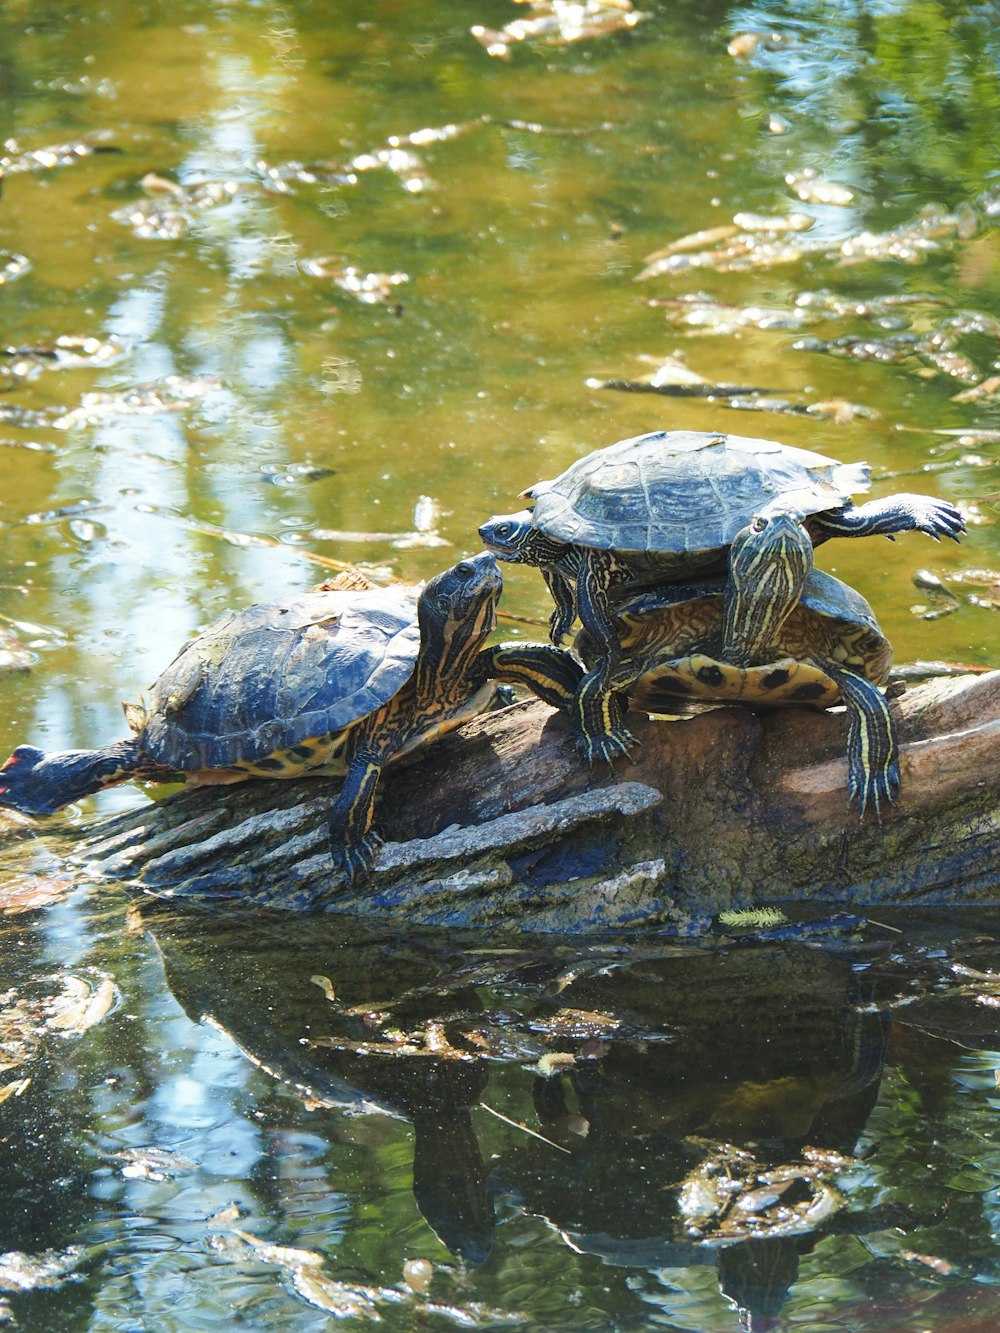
(687, 1105)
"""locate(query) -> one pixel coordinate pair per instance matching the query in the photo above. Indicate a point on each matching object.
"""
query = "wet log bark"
(501, 824)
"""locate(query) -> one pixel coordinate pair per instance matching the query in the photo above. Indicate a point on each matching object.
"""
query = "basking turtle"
(802, 638)
(665, 507)
(332, 681)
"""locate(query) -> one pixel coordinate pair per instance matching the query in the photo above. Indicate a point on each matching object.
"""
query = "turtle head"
(457, 610)
(514, 537)
(769, 563)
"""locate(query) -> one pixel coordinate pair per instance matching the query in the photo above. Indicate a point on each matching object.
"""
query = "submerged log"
(501, 824)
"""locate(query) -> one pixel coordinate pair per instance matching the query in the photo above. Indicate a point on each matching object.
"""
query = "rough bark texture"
(502, 824)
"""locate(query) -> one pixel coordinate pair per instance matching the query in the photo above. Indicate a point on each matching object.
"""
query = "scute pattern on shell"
(686, 491)
(281, 673)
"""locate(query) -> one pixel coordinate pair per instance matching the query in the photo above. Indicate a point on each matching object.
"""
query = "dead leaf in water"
(559, 23)
(30, 893)
(80, 1006)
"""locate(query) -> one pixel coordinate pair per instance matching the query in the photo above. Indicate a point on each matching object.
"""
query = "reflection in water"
(692, 1093)
(669, 1084)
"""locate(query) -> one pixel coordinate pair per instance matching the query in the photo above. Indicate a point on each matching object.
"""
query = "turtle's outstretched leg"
(896, 513)
(551, 673)
(872, 747)
(39, 784)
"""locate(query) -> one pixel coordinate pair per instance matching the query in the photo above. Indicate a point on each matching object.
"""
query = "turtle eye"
(464, 571)
(758, 524)
(504, 529)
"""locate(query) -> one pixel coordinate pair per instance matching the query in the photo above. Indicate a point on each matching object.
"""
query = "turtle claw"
(355, 859)
(937, 518)
(608, 747)
(874, 791)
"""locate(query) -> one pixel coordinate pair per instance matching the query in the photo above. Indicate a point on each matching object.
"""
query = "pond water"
(287, 284)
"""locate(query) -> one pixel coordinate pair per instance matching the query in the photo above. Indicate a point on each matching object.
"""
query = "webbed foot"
(936, 518)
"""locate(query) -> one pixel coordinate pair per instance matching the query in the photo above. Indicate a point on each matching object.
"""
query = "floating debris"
(176, 393)
(704, 314)
(942, 600)
(559, 23)
(30, 1272)
(368, 288)
(81, 1005)
(775, 123)
(747, 44)
(426, 518)
(695, 240)
(171, 208)
(403, 164)
(841, 412)
(933, 230)
(346, 1300)
(154, 1164)
(17, 1088)
(893, 350)
(418, 1275)
(883, 310)
(13, 266)
(15, 158)
(341, 375)
(290, 474)
(774, 224)
(241, 539)
(14, 655)
(66, 353)
(812, 188)
(752, 918)
(280, 177)
(986, 390)
(674, 378)
(731, 1196)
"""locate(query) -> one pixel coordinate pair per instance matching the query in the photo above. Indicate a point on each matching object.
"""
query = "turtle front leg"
(872, 747)
(600, 722)
(353, 841)
(564, 596)
(601, 729)
(884, 518)
(552, 673)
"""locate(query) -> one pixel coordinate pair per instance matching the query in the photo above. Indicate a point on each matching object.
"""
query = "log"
(502, 825)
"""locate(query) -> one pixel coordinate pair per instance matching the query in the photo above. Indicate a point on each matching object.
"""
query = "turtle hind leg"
(37, 783)
(896, 513)
(872, 747)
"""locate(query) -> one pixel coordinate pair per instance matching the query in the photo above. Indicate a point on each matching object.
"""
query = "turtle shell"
(685, 491)
(278, 675)
(831, 622)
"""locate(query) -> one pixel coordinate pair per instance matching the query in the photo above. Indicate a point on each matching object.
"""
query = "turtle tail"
(39, 784)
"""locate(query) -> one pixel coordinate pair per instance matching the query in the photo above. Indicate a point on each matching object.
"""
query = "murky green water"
(253, 415)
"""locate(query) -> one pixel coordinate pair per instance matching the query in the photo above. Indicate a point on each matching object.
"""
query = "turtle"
(665, 507)
(322, 681)
(802, 637)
